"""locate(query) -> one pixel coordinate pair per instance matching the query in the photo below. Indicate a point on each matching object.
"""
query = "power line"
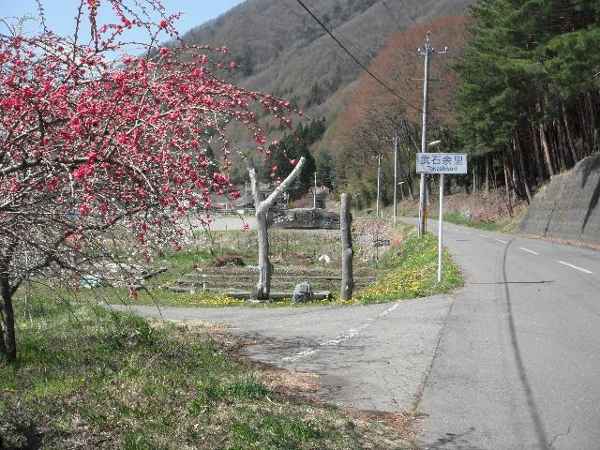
(367, 54)
(355, 59)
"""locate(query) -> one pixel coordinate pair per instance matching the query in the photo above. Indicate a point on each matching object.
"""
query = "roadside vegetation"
(406, 269)
(410, 271)
(504, 225)
(88, 377)
(91, 379)
(482, 210)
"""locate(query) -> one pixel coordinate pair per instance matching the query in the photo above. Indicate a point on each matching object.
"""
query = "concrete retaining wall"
(569, 206)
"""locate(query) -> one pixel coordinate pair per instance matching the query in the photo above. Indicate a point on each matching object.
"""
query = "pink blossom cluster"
(101, 141)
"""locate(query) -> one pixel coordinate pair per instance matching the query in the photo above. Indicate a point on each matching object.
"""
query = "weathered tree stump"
(263, 287)
(347, 253)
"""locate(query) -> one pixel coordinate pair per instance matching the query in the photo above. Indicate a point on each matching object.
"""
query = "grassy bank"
(91, 379)
(410, 271)
(458, 218)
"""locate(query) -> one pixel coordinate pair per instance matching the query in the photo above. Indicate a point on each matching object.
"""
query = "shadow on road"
(454, 441)
(539, 430)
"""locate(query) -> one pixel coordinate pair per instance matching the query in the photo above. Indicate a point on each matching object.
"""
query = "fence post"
(347, 253)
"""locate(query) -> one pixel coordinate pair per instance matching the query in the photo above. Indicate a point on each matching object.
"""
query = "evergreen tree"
(527, 93)
(326, 175)
(290, 149)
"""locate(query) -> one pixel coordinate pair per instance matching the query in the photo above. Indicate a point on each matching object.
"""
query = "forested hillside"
(517, 92)
(373, 115)
(283, 51)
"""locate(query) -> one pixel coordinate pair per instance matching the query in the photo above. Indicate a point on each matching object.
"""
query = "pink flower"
(83, 172)
(84, 209)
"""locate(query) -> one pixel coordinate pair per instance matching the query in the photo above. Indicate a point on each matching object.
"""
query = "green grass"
(459, 219)
(410, 271)
(89, 378)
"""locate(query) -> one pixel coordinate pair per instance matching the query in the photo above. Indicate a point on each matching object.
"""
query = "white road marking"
(501, 241)
(389, 310)
(529, 251)
(353, 332)
(300, 355)
(581, 269)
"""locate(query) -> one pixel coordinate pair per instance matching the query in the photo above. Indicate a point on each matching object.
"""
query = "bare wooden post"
(347, 253)
(265, 268)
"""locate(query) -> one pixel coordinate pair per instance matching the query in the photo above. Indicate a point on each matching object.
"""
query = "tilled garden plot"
(237, 281)
(297, 256)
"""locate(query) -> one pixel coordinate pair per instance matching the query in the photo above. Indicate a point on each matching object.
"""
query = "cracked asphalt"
(511, 361)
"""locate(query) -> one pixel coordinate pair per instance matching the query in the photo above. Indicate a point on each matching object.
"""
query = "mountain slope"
(282, 50)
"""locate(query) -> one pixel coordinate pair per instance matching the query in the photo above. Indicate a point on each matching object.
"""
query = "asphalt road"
(512, 361)
(232, 223)
(518, 363)
(370, 357)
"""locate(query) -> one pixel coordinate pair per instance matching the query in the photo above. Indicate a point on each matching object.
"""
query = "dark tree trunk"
(494, 181)
(592, 122)
(568, 135)
(585, 118)
(541, 175)
(487, 174)
(519, 151)
(8, 341)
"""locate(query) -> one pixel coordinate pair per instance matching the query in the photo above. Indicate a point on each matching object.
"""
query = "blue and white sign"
(442, 163)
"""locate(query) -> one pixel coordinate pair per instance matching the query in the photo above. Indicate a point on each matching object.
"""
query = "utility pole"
(396, 137)
(315, 192)
(427, 51)
(378, 184)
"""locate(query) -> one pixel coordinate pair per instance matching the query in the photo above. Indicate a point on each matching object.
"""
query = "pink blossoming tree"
(89, 141)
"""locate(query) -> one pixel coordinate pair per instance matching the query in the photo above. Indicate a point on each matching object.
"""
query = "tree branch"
(266, 204)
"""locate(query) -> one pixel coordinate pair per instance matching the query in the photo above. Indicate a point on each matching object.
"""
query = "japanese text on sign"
(447, 163)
